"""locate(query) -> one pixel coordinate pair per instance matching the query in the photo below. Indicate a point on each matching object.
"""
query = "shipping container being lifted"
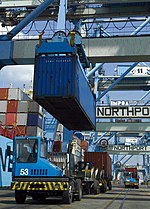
(60, 84)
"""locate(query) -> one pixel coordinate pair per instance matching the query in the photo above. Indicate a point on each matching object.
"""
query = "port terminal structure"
(101, 49)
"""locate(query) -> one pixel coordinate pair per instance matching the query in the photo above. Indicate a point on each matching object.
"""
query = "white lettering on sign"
(123, 111)
(126, 102)
(129, 148)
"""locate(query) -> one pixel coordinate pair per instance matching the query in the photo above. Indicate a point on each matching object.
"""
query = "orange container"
(12, 106)
(3, 93)
(11, 119)
(101, 160)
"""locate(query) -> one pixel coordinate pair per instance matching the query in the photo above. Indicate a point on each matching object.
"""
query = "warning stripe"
(52, 186)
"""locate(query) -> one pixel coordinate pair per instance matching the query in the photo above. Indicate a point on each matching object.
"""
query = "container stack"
(19, 115)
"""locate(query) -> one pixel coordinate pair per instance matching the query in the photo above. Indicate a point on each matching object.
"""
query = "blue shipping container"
(61, 87)
(34, 119)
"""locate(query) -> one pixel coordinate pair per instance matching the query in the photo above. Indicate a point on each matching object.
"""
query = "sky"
(16, 76)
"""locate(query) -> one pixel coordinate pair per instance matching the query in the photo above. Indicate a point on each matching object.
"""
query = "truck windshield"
(26, 150)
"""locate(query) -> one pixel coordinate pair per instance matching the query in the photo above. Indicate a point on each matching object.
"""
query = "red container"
(57, 146)
(20, 130)
(101, 160)
(11, 119)
(3, 93)
(132, 170)
(12, 106)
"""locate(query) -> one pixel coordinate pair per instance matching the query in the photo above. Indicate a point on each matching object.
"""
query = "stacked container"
(19, 115)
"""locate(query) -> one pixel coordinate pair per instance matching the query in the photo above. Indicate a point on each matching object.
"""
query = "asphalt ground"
(118, 198)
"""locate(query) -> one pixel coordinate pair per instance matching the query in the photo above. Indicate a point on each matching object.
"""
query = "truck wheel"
(110, 186)
(102, 190)
(20, 196)
(79, 190)
(67, 196)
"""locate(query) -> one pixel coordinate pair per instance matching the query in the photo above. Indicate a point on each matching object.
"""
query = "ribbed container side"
(34, 131)
(3, 118)
(12, 106)
(23, 106)
(100, 160)
(22, 119)
(5, 166)
(34, 107)
(15, 94)
(61, 87)
(11, 119)
(3, 106)
(21, 130)
(34, 119)
(3, 93)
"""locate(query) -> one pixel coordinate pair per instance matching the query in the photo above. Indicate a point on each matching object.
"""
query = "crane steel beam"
(76, 10)
(117, 81)
(127, 127)
(26, 20)
(97, 67)
(141, 27)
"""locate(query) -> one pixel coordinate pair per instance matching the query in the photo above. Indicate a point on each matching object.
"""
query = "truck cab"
(34, 175)
(131, 178)
(30, 158)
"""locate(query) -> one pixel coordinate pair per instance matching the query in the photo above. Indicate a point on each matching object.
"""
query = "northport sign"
(123, 111)
(128, 149)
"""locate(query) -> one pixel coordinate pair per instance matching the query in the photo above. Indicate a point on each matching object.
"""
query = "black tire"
(67, 196)
(109, 185)
(103, 189)
(20, 196)
(78, 190)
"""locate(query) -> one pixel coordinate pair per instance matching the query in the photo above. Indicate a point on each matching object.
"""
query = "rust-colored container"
(3, 93)
(101, 160)
(21, 131)
(84, 145)
(57, 146)
(11, 119)
(132, 170)
(12, 106)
